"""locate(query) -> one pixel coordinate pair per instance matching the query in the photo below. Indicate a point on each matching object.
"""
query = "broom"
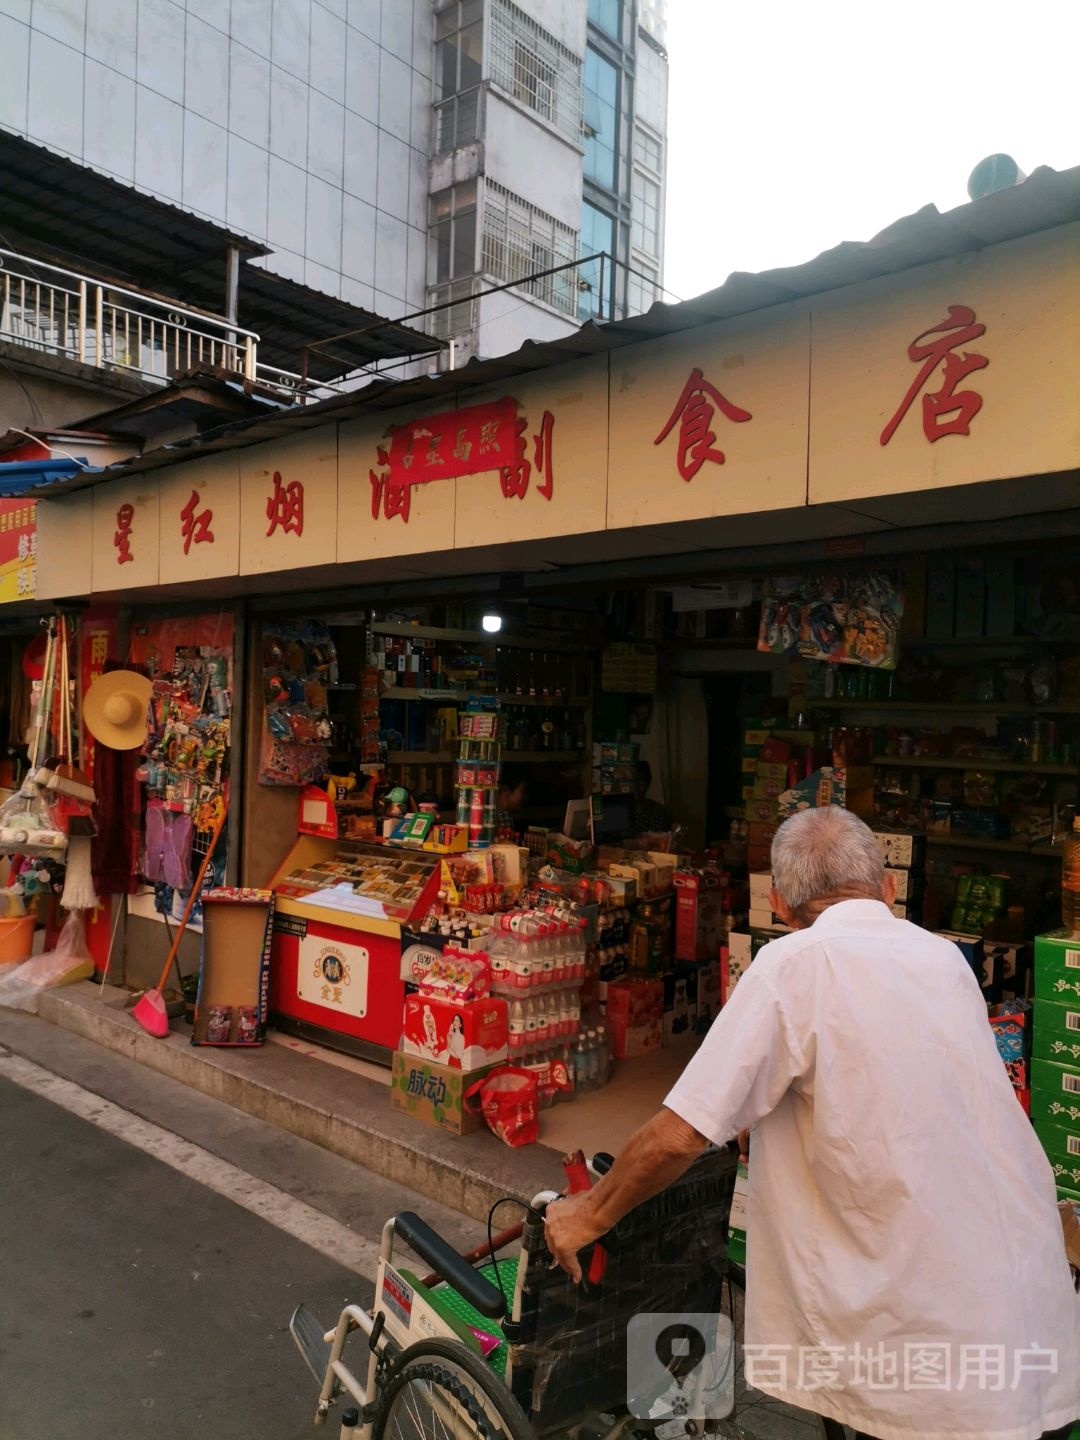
(66, 778)
(150, 1010)
(36, 772)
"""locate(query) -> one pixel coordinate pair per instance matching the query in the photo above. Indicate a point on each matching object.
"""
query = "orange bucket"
(16, 938)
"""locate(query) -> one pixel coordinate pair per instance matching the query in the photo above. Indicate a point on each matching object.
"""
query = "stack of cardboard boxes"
(1055, 1066)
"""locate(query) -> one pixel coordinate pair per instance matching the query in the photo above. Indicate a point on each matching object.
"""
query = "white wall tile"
(206, 156)
(292, 36)
(340, 8)
(288, 203)
(64, 20)
(358, 239)
(392, 194)
(15, 48)
(249, 24)
(109, 121)
(419, 187)
(214, 12)
(417, 261)
(323, 241)
(110, 33)
(395, 95)
(361, 157)
(357, 293)
(362, 75)
(327, 53)
(159, 144)
(423, 57)
(326, 138)
(288, 117)
(249, 95)
(420, 121)
(397, 24)
(16, 10)
(55, 110)
(248, 183)
(388, 307)
(364, 15)
(161, 44)
(321, 277)
(285, 262)
(391, 254)
(206, 71)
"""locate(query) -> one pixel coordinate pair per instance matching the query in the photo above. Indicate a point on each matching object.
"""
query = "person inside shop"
(647, 817)
(900, 1203)
(510, 801)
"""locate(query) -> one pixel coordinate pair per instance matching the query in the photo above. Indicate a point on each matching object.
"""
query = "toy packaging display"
(462, 1034)
(234, 970)
(477, 771)
(299, 664)
(1012, 1027)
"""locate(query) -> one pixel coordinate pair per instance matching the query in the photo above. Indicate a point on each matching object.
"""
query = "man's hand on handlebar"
(744, 1145)
(570, 1228)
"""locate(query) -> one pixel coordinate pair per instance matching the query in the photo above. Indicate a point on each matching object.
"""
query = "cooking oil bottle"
(1070, 880)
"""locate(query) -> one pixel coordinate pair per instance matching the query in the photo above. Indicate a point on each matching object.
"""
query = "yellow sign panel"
(289, 503)
(200, 520)
(958, 372)
(125, 535)
(377, 518)
(711, 421)
(18, 550)
(63, 544)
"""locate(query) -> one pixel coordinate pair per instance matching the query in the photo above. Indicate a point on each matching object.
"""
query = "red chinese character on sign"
(515, 477)
(390, 493)
(959, 328)
(694, 411)
(196, 527)
(285, 508)
(122, 538)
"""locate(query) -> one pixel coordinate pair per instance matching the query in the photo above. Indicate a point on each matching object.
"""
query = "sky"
(793, 126)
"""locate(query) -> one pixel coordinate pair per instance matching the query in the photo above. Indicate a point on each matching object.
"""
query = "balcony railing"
(61, 312)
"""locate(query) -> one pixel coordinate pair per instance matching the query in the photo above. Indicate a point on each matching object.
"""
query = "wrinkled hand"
(569, 1228)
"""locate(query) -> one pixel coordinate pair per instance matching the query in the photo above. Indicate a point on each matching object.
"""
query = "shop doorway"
(731, 699)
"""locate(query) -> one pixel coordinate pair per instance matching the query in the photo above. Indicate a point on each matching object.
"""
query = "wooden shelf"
(978, 842)
(420, 757)
(542, 640)
(1012, 767)
(958, 642)
(536, 757)
(453, 697)
(954, 707)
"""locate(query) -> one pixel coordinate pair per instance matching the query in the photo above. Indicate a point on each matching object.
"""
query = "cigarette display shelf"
(972, 762)
(451, 697)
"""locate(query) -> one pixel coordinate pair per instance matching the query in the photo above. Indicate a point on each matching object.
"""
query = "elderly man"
(905, 1268)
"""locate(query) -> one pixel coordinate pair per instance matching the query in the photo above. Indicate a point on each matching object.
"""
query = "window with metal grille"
(459, 37)
(460, 316)
(645, 215)
(519, 239)
(452, 232)
(538, 70)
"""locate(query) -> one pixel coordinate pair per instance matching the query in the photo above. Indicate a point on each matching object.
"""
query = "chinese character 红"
(694, 411)
(122, 538)
(958, 328)
(196, 526)
(285, 507)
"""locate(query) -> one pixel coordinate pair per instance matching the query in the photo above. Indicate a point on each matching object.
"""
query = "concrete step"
(340, 1110)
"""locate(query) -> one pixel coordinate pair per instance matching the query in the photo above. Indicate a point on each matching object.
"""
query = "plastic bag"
(510, 1101)
(21, 987)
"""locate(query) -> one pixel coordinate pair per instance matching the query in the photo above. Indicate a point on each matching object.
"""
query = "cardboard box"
(1062, 1146)
(680, 1003)
(971, 947)
(1057, 967)
(826, 786)
(699, 909)
(755, 738)
(1056, 1033)
(434, 1094)
(758, 856)
(1011, 963)
(234, 968)
(759, 833)
(760, 887)
(742, 947)
(1055, 1092)
(902, 850)
(768, 789)
(1011, 1025)
(708, 992)
(464, 1035)
(763, 810)
(635, 1014)
(775, 751)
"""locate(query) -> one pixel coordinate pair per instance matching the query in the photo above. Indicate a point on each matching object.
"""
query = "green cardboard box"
(1056, 1034)
(434, 1094)
(1062, 1146)
(1057, 967)
(1055, 1093)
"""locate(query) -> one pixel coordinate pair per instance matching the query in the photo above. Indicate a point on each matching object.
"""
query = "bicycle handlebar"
(451, 1266)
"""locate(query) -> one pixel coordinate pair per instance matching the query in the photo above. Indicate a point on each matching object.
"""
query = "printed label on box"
(335, 976)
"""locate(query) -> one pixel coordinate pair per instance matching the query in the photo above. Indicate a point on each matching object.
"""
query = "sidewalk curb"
(344, 1113)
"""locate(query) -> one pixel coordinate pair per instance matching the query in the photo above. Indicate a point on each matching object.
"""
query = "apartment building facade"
(395, 154)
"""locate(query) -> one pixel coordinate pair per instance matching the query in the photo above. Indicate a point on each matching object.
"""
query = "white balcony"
(60, 312)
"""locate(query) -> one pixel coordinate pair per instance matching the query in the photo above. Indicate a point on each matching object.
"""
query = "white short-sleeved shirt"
(905, 1267)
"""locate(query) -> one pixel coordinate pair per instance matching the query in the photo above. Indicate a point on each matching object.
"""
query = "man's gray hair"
(820, 852)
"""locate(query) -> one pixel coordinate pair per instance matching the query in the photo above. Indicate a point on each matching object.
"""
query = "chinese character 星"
(958, 328)
(285, 507)
(694, 411)
(196, 527)
(122, 538)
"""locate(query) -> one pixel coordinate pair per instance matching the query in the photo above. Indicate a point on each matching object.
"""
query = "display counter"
(335, 972)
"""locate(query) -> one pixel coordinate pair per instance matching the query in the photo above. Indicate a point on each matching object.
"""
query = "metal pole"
(600, 305)
(82, 321)
(232, 292)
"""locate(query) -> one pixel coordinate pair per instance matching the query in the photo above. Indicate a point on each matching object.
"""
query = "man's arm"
(651, 1160)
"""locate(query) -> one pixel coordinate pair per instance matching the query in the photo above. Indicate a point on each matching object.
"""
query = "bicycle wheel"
(439, 1390)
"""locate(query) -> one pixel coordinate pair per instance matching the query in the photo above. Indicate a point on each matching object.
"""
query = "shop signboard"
(64, 557)
(333, 974)
(200, 520)
(289, 503)
(18, 550)
(125, 538)
(951, 374)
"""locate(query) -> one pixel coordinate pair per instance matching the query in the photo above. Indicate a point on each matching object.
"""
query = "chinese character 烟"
(196, 527)
(285, 507)
(958, 328)
(694, 411)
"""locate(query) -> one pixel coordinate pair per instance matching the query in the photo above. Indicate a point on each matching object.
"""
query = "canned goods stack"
(477, 778)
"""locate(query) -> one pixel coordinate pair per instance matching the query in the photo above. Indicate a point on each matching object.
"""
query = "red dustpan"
(150, 1010)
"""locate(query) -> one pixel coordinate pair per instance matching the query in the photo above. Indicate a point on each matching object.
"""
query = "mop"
(150, 1009)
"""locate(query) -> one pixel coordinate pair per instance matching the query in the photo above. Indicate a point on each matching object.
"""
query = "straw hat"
(115, 709)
